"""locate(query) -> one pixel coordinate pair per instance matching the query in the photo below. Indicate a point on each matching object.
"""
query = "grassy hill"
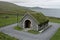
(8, 13)
(6, 7)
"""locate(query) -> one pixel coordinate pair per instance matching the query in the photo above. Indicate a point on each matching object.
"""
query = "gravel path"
(46, 35)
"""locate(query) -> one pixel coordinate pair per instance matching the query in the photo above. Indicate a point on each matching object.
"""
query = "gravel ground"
(46, 35)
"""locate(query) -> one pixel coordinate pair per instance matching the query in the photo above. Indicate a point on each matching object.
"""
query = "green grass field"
(57, 35)
(6, 37)
(54, 19)
(6, 19)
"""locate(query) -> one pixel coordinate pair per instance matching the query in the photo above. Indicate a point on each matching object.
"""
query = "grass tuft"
(18, 28)
(33, 31)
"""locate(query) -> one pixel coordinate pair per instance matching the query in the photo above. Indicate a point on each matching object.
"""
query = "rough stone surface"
(33, 25)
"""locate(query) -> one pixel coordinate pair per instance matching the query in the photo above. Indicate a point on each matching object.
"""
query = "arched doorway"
(27, 24)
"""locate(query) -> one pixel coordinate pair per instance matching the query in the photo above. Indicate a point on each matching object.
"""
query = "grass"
(8, 20)
(33, 31)
(39, 17)
(54, 19)
(56, 36)
(6, 37)
(14, 9)
(18, 28)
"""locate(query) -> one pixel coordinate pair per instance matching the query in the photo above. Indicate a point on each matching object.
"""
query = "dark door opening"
(27, 24)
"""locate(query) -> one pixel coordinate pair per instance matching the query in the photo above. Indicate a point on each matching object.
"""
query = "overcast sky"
(36, 3)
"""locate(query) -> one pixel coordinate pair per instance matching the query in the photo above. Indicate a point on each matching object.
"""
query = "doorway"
(27, 24)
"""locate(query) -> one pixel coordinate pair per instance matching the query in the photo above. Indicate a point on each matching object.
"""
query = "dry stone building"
(34, 21)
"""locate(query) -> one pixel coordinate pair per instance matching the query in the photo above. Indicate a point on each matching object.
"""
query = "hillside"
(10, 8)
(6, 7)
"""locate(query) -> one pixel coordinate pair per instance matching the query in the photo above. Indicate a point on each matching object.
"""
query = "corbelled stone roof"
(39, 17)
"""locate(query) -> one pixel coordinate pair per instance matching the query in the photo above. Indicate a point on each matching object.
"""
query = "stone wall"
(34, 25)
(42, 27)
